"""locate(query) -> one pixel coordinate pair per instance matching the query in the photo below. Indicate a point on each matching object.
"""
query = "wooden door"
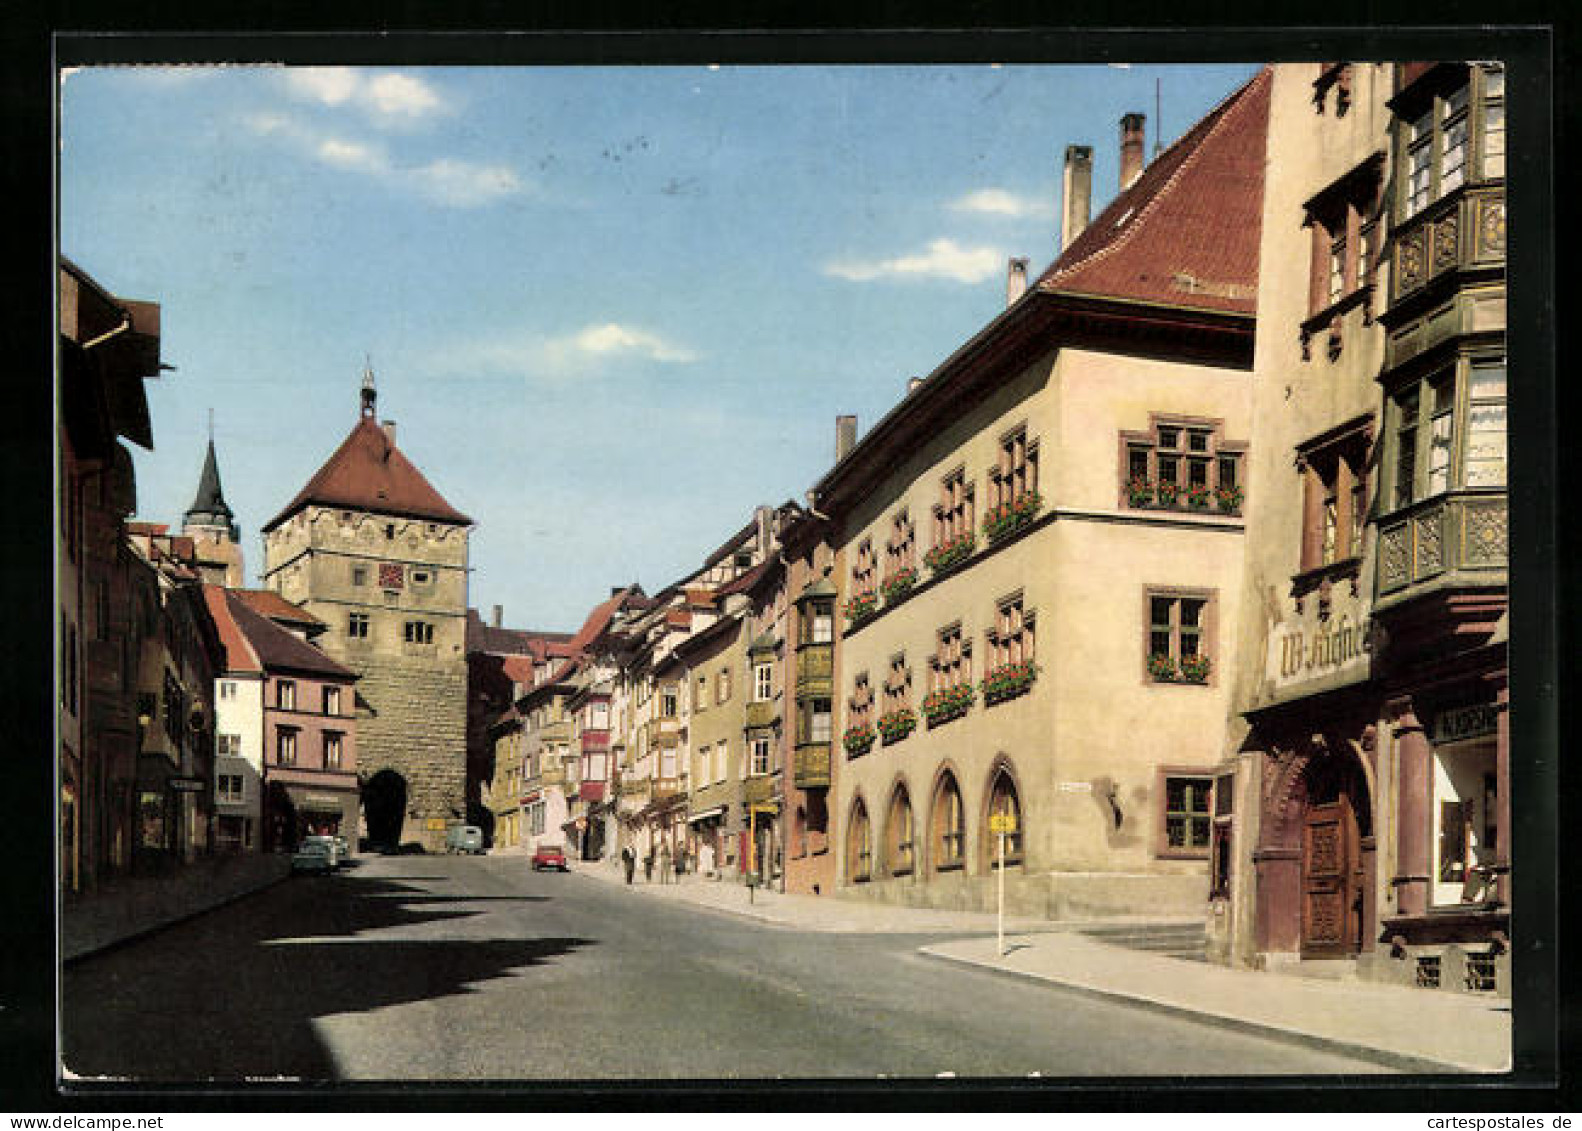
(1331, 881)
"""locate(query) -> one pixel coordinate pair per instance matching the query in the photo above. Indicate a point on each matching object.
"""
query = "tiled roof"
(369, 473)
(1186, 232)
(518, 669)
(239, 655)
(483, 637)
(745, 581)
(266, 602)
(592, 628)
(147, 528)
(278, 649)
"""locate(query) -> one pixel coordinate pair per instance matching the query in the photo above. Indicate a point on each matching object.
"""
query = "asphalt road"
(440, 968)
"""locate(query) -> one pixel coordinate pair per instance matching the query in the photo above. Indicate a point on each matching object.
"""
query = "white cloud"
(350, 155)
(592, 349)
(329, 85)
(613, 338)
(450, 181)
(944, 259)
(399, 95)
(996, 202)
(465, 184)
(387, 98)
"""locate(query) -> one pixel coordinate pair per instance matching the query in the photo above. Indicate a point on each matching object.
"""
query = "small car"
(464, 839)
(343, 850)
(314, 856)
(330, 843)
(549, 856)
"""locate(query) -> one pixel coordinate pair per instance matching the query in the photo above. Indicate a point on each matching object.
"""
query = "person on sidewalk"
(665, 875)
(648, 867)
(629, 860)
(706, 858)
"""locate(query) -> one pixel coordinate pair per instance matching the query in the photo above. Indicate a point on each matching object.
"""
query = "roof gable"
(279, 649)
(1186, 233)
(369, 473)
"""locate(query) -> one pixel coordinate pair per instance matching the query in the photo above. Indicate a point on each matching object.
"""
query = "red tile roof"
(266, 602)
(239, 655)
(1186, 232)
(592, 628)
(369, 473)
(280, 650)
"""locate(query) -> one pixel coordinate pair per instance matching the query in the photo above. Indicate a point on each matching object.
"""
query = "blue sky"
(610, 309)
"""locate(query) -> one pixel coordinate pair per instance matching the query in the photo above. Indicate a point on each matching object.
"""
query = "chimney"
(1076, 193)
(764, 519)
(845, 436)
(1015, 283)
(617, 590)
(499, 614)
(1131, 148)
(913, 384)
(389, 427)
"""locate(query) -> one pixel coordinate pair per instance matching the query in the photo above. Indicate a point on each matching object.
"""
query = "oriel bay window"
(1451, 131)
(1441, 440)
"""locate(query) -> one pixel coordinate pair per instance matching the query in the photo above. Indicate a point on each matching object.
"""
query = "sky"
(611, 310)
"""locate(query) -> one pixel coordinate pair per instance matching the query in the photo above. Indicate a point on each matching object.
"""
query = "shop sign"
(1302, 651)
(187, 785)
(1466, 722)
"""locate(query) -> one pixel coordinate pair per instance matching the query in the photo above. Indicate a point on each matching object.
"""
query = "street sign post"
(1002, 824)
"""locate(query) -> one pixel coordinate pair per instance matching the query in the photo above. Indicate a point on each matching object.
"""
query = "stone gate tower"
(373, 550)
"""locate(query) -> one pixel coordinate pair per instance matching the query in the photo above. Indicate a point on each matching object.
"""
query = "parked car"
(464, 838)
(343, 850)
(314, 856)
(330, 845)
(549, 856)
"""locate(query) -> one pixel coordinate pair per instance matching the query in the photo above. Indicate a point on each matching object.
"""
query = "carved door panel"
(1330, 907)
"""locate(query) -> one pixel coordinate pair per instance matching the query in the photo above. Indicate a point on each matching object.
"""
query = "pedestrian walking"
(629, 859)
(648, 867)
(665, 875)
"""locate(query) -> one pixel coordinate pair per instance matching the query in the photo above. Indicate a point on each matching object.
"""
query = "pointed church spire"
(370, 394)
(208, 506)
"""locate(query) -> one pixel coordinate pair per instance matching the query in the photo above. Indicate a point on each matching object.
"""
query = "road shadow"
(232, 998)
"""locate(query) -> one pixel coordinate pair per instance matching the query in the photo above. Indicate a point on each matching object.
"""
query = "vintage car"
(549, 856)
(315, 855)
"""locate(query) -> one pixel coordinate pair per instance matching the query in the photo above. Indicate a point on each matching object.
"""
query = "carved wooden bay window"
(1182, 462)
(1445, 463)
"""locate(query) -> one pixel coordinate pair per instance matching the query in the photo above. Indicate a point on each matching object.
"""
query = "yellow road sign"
(1002, 822)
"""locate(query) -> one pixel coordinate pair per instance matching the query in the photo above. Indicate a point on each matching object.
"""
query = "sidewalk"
(1408, 1029)
(136, 905)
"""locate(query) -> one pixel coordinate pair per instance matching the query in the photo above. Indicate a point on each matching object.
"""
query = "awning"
(706, 814)
(320, 800)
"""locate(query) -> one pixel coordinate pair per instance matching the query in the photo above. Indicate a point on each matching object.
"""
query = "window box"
(1008, 518)
(1197, 497)
(858, 740)
(860, 607)
(898, 585)
(1195, 669)
(1162, 668)
(948, 703)
(1229, 499)
(1139, 493)
(949, 555)
(897, 725)
(1008, 681)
